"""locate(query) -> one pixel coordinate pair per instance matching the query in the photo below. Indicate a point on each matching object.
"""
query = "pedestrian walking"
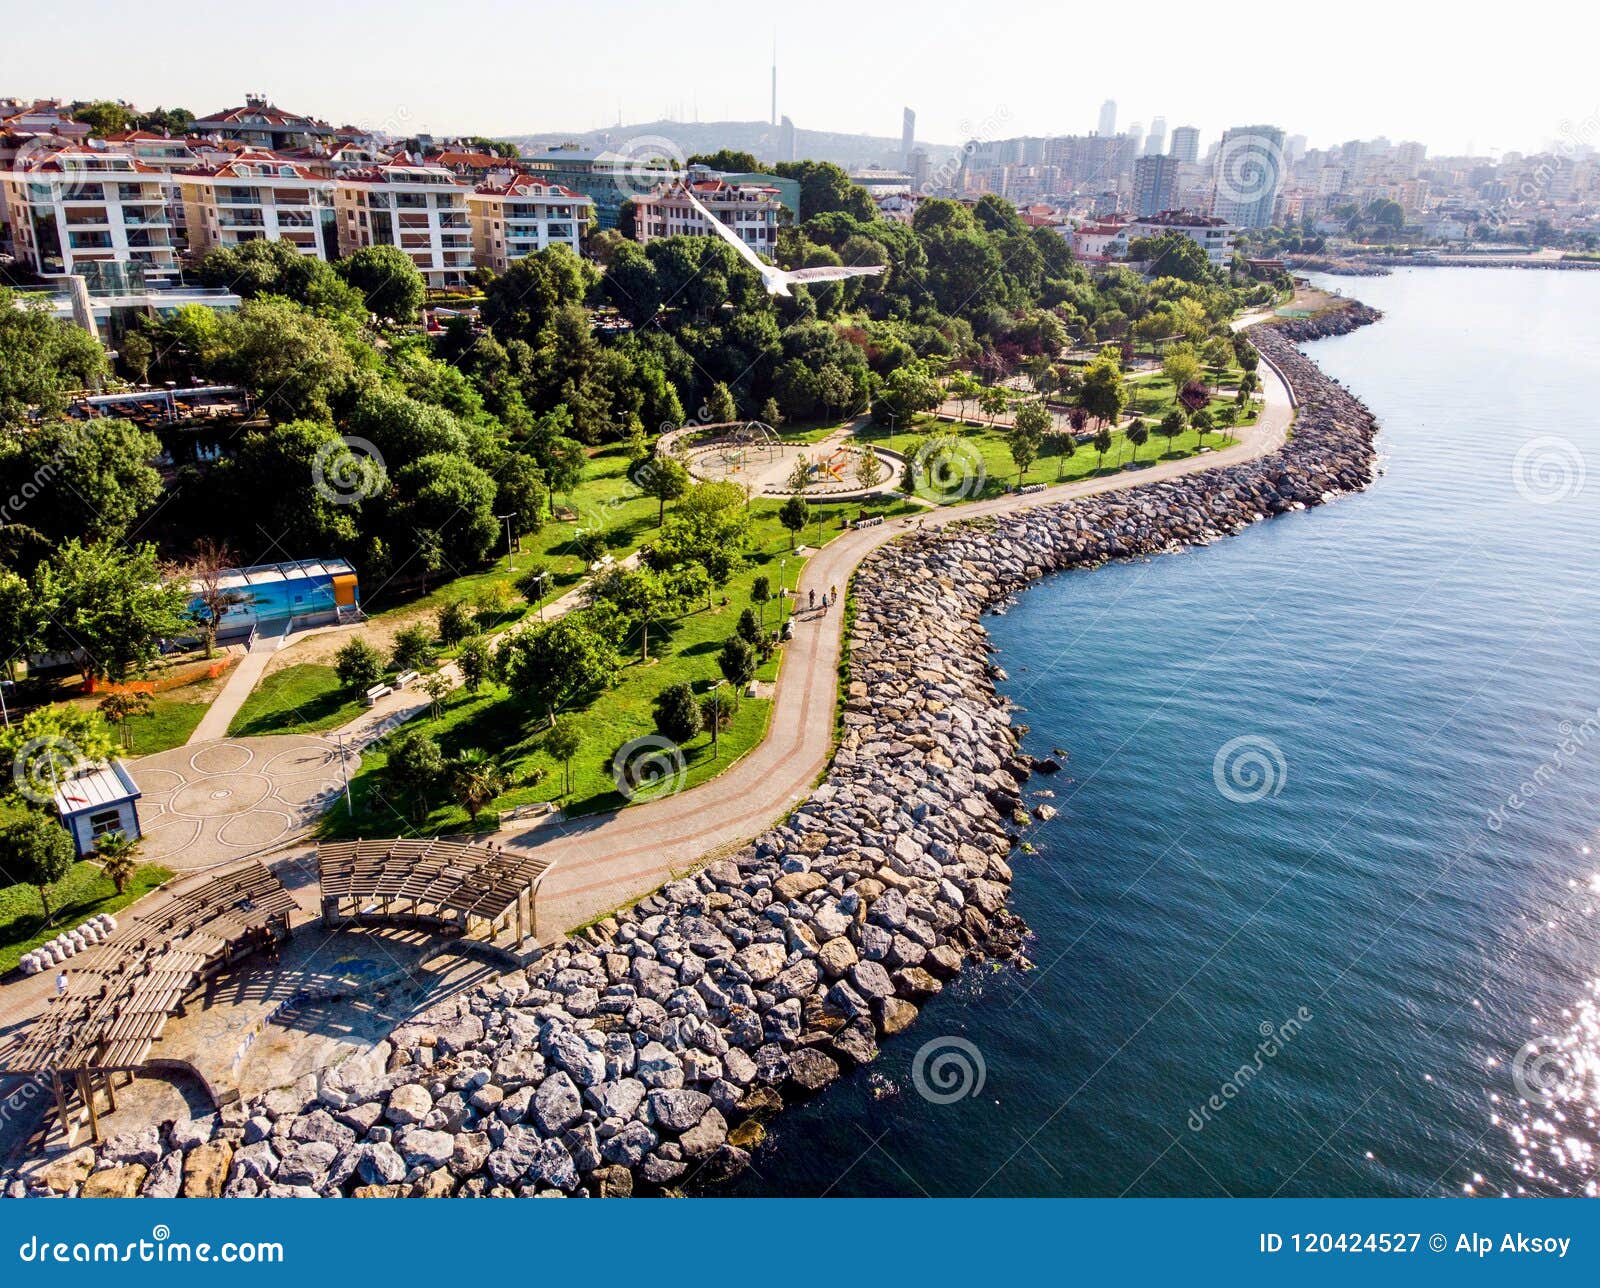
(61, 983)
(812, 594)
(833, 594)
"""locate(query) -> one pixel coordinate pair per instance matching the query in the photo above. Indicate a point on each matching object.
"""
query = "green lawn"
(683, 651)
(298, 699)
(168, 726)
(83, 893)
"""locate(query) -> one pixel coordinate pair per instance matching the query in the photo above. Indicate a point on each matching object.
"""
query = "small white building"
(1212, 235)
(96, 801)
(524, 213)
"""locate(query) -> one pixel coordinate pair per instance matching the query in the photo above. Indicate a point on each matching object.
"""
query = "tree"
(719, 405)
(1031, 423)
(388, 279)
(523, 302)
(76, 479)
(963, 387)
(104, 117)
(1102, 444)
(109, 604)
(359, 667)
(291, 360)
(455, 623)
(992, 400)
(710, 526)
(1066, 446)
(1104, 394)
(121, 706)
(476, 780)
(450, 496)
(437, 686)
(906, 391)
(36, 850)
(869, 469)
(302, 482)
(562, 743)
(415, 767)
(213, 596)
(474, 663)
(664, 478)
(794, 514)
(799, 474)
(1202, 420)
(48, 743)
(42, 359)
(737, 661)
(677, 713)
(413, 648)
(558, 661)
(1181, 366)
(770, 414)
(1171, 426)
(639, 595)
(117, 858)
(1138, 434)
(761, 596)
(749, 627)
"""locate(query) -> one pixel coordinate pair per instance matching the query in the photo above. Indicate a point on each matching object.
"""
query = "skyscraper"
(786, 140)
(1248, 171)
(1108, 119)
(908, 138)
(1155, 143)
(1155, 184)
(1186, 144)
(1136, 138)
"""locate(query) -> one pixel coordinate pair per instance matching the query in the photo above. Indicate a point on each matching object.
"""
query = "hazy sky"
(1358, 69)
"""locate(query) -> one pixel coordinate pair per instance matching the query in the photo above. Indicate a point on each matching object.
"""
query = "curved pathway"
(606, 860)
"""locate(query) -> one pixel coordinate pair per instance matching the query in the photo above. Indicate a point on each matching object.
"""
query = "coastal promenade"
(606, 860)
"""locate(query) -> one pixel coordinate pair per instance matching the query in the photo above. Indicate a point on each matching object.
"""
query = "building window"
(104, 821)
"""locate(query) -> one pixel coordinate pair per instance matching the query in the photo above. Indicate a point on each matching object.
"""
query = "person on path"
(833, 594)
(61, 983)
(812, 593)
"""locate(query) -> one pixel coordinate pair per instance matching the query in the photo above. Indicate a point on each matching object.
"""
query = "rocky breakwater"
(643, 1054)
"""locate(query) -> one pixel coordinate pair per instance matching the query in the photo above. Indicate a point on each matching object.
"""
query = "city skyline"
(864, 87)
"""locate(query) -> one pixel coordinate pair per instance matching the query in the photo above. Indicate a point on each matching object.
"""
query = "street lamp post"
(506, 519)
(716, 718)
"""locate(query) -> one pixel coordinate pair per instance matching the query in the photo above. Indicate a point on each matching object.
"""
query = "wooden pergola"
(123, 993)
(441, 883)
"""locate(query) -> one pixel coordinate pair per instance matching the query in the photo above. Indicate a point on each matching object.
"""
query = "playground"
(756, 457)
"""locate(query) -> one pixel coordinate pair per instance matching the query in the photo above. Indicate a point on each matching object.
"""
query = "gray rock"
(677, 1110)
(556, 1104)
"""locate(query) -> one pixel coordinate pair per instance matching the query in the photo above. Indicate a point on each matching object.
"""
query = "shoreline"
(1383, 265)
(644, 1053)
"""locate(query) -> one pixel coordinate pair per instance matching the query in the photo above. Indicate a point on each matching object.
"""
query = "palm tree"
(117, 858)
(476, 781)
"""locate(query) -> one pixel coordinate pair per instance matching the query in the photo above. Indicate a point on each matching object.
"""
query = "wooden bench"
(375, 692)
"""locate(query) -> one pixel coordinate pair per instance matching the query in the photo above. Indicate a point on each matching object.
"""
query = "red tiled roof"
(528, 185)
(242, 167)
(260, 113)
(61, 160)
(393, 172)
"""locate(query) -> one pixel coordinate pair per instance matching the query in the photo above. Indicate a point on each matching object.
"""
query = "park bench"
(538, 809)
(405, 679)
(375, 692)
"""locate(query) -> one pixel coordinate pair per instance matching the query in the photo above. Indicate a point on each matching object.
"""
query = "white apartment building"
(256, 196)
(72, 209)
(1212, 235)
(751, 210)
(421, 209)
(523, 214)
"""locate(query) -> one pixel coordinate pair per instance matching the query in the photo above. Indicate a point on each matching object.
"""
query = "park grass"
(306, 698)
(684, 650)
(84, 892)
(168, 725)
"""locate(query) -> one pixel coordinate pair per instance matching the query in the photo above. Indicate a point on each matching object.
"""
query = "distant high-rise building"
(1186, 144)
(1108, 119)
(1155, 184)
(1155, 142)
(1136, 138)
(1295, 148)
(786, 140)
(918, 169)
(908, 138)
(1248, 172)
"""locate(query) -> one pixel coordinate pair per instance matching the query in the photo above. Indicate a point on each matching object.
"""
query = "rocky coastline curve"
(643, 1054)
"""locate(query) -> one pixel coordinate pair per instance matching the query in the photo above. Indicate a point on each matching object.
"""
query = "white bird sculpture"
(779, 280)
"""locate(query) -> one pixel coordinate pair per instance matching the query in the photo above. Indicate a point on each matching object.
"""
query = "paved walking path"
(240, 683)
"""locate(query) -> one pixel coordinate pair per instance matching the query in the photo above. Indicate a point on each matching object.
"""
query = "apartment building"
(260, 124)
(523, 214)
(751, 210)
(74, 210)
(421, 209)
(256, 196)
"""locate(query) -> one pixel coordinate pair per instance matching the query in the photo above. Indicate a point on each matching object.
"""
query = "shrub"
(359, 666)
(455, 623)
(413, 648)
(677, 713)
